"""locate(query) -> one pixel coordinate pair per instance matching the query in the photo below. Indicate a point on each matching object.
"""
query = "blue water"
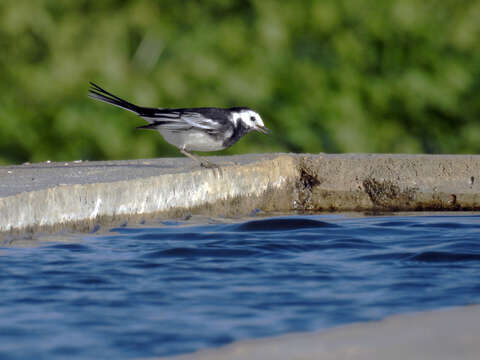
(179, 286)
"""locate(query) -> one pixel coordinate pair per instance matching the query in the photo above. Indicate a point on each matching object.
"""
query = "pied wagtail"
(192, 129)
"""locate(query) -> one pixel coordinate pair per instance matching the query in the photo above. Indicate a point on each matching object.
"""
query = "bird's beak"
(263, 129)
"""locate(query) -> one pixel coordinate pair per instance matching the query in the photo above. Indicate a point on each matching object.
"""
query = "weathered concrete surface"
(43, 196)
(52, 196)
(390, 182)
(440, 335)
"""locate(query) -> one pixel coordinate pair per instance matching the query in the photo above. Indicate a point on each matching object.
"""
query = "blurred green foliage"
(326, 75)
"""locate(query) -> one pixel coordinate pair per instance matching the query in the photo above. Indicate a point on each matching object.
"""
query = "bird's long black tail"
(97, 93)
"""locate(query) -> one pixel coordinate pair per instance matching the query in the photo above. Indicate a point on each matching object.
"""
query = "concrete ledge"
(439, 335)
(51, 196)
(79, 195)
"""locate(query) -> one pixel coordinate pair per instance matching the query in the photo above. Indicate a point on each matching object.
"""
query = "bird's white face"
(251, 120)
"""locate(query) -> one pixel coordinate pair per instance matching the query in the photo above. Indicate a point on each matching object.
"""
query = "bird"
(200, 129)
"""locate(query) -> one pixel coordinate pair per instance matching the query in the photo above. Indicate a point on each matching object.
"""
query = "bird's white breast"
(192, 140)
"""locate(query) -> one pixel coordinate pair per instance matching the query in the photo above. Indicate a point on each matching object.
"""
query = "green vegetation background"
(331, 75)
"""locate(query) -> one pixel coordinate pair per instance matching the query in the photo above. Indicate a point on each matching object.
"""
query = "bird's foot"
(217, 170)
(208, 165)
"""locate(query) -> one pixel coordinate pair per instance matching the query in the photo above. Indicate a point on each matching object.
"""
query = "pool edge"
(452, 333)
(109, 193)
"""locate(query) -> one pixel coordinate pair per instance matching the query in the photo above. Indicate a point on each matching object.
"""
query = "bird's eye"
(252, 118)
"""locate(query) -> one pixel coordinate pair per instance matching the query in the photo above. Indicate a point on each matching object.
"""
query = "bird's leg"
(191, 156)
(204, 163)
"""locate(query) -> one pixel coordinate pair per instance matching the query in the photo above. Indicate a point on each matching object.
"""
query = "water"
(179, 286)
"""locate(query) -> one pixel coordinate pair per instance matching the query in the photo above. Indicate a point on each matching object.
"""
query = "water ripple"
(436, 256)
(283, 224)
(175, 287)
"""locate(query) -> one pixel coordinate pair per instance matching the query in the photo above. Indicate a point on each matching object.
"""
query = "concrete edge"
(82, 206)
(281, 182)
(441, 335)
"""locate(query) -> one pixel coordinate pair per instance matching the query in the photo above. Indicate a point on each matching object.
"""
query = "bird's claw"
(209, 165)
(215, 168)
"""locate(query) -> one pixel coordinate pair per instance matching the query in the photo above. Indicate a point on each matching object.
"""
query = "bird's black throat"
(239, 130)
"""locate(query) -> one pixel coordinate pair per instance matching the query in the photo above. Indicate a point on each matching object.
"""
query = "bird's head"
(250, 120)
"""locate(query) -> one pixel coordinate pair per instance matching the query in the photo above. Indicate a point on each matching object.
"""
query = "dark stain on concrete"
(388, 195)
(307, 182)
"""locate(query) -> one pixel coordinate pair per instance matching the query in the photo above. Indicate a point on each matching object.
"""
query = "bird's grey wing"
(202, 122)
(181, 121)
